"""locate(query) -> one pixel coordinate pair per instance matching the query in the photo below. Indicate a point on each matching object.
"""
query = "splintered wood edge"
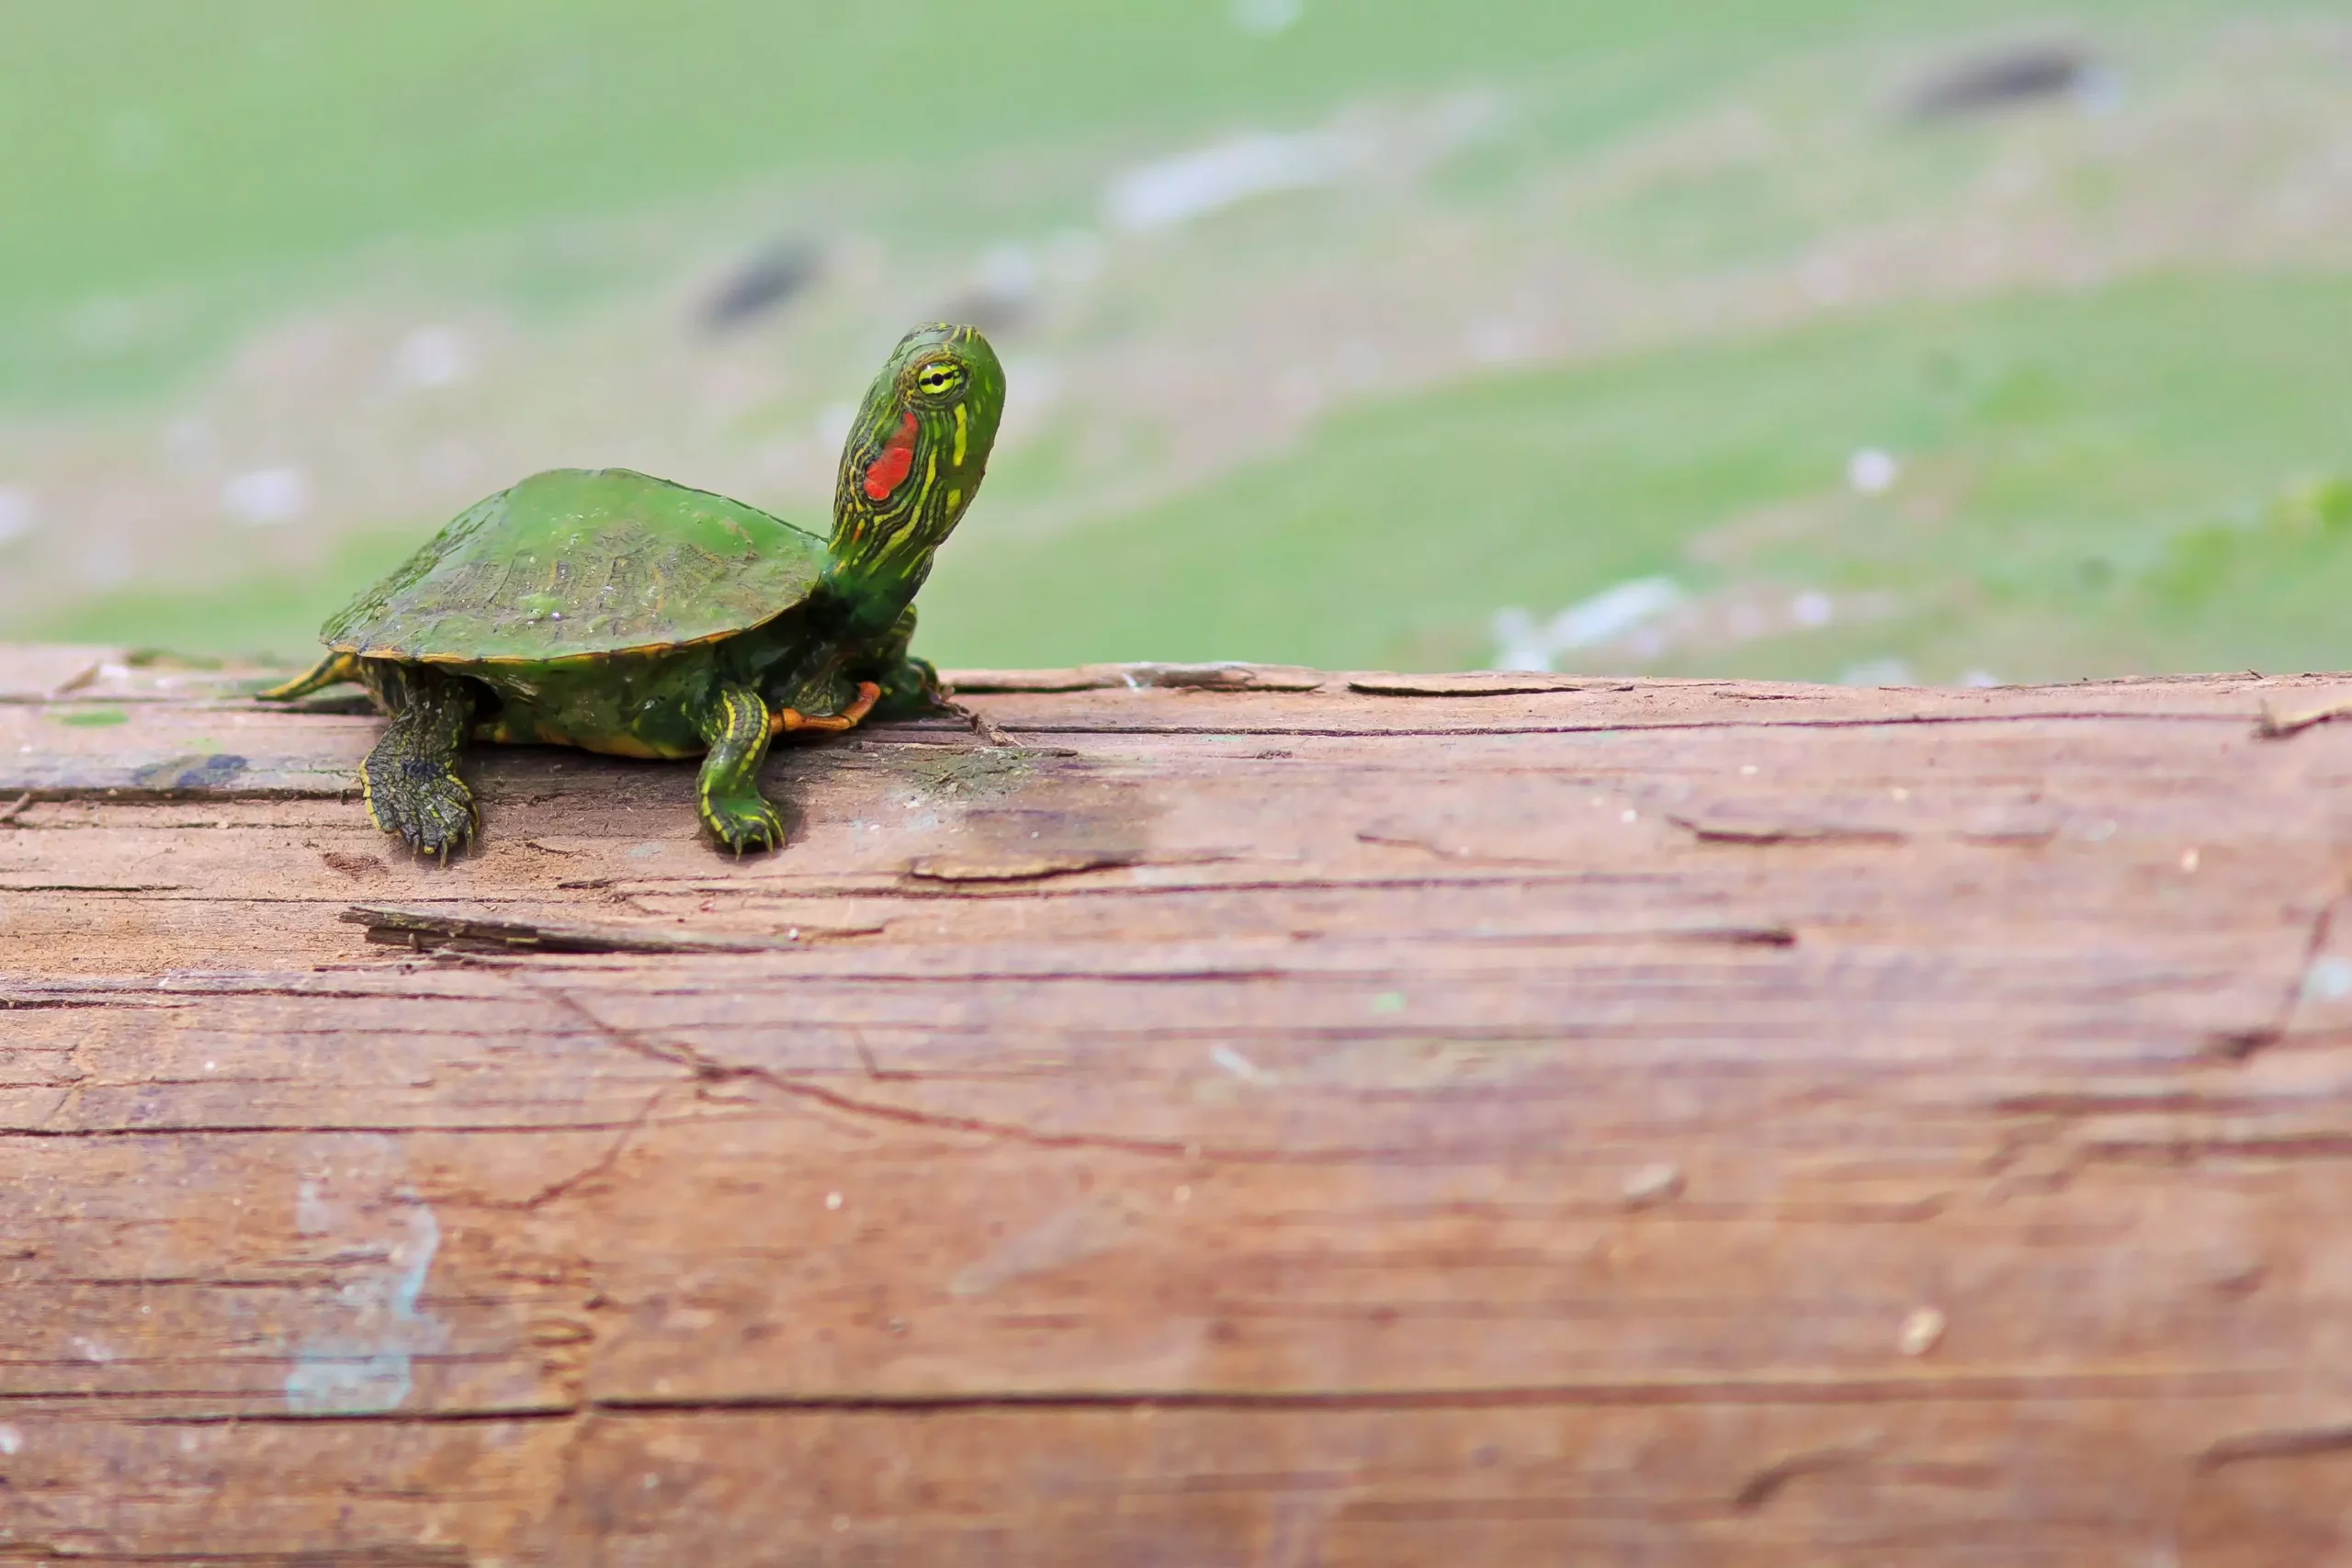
(1210, 677)
(397, 924)
(1479, 683)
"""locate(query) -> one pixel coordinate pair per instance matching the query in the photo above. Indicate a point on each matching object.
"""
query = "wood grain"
(1287, 1119)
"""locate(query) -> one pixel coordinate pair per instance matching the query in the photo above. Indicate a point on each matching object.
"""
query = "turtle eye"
(939, 377)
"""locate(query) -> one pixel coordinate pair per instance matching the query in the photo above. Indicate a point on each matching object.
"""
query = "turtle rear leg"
(327, 671)
(788, 720)
(727, 796)
(411, 778)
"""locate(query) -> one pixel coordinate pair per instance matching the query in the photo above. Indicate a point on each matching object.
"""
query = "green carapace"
(609, 609)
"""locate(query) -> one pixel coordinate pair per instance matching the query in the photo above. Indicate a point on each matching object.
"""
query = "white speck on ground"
(1176, 190)
(1871, 471)
(1654, 1184)
(832, 1199)
(1262, 19)
(1496, 341)
(434, 357)
(18, 514)
(1234, 1062)
(1921, 1332)
(10, 1439)
(2328, 979)
(263, 497)
(2189, 860)
(1522, 643)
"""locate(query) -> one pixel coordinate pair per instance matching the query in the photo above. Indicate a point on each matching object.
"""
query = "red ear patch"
(887, 472)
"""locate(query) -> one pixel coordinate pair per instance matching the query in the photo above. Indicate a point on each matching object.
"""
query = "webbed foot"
(429, 807)
(744, 822)
(912, 689)
(727, 796)
(411, 777)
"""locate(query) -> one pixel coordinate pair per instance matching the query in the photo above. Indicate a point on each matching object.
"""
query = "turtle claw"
(740, 825)
(431, 816)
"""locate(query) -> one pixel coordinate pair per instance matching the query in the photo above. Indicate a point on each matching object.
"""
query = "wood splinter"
(475, 932)
(982, 725)
(2272, 725)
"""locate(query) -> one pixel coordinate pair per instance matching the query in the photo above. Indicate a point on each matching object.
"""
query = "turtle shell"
(581, 563)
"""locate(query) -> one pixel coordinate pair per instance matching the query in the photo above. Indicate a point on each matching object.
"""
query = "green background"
(2138, 468)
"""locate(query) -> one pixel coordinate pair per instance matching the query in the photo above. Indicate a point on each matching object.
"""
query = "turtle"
(612, 611)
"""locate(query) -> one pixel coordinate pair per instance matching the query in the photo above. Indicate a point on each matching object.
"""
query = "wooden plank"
(1255, 1119)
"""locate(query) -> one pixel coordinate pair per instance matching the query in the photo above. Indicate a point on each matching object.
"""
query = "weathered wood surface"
(1267, 1119)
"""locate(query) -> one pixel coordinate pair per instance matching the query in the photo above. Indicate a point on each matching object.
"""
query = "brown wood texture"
(1264, 1119)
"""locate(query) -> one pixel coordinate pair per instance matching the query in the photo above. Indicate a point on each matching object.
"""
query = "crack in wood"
(2241, 1045)
(1788, 828)
(310, 1129)
(1770, 1481)
(397, 926)
(1822, 1390)
(1209, 677)
(709, 1069)
(2283, 1442)
(1478, 683)
(564, 1186)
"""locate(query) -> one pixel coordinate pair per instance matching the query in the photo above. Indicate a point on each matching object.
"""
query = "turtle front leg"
(910, 687)
(411, 778)
(727, 796)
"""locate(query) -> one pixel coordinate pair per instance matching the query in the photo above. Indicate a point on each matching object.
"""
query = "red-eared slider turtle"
(619, 613)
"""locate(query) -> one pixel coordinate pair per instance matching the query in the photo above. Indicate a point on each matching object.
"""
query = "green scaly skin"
(914, 458)
(411, 778)
(728, 795)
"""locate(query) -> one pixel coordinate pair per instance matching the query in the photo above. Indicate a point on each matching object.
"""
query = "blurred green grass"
(2088, 475)
(2132, 477)
(250, 148)
(146, 140)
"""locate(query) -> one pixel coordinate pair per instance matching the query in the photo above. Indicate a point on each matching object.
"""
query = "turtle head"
(915, 454)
